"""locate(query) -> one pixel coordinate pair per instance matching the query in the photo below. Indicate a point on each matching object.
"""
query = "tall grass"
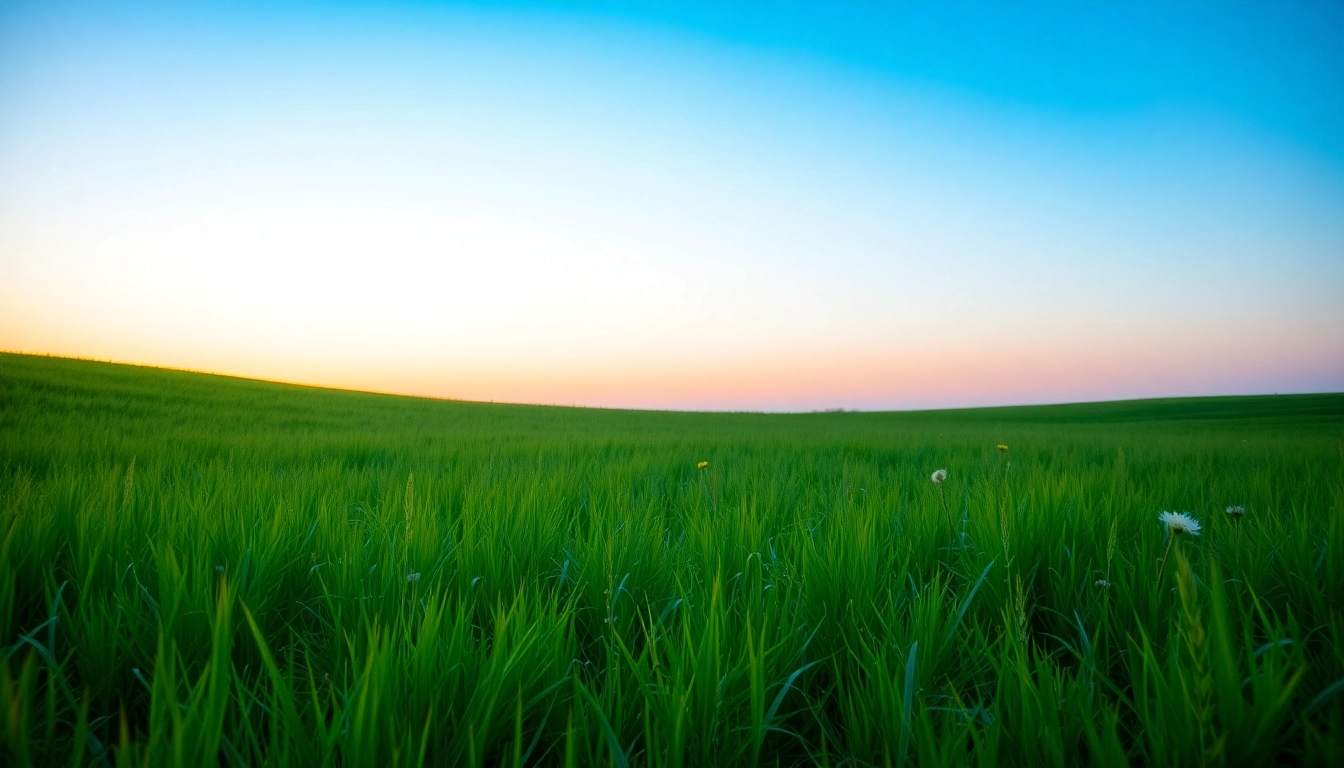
(201, 570)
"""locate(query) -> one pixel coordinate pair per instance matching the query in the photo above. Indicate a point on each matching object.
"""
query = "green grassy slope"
(205, 569)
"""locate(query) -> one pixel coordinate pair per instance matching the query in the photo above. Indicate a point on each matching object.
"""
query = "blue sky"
(763, 205)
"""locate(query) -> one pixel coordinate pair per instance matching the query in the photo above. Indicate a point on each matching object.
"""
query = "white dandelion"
(1236, 511)
(939, 476)
(413, 576)
(1104, 584)
(1177, 523)
(1180, 522)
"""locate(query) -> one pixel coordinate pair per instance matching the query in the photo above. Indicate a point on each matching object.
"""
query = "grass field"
(204, 570)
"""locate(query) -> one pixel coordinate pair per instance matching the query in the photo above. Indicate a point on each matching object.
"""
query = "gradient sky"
(765, 206)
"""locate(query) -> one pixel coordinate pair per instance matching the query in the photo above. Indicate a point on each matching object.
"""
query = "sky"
(773, 206)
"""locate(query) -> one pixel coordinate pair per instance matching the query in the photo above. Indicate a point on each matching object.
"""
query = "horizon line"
(432, 398)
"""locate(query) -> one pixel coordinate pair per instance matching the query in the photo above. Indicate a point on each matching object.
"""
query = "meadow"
(201, 570)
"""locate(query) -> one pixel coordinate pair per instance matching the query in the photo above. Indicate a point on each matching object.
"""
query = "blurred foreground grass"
(204, 570)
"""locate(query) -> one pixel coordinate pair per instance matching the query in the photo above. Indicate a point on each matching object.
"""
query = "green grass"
(204, 570)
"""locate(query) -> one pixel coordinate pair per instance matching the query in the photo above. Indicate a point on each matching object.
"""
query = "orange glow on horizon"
(891, 377)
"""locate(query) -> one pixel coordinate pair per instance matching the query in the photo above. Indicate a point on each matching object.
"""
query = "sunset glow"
(746, 207)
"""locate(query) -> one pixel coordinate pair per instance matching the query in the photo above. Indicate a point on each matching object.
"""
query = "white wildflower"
(939, 476)
(1180, 522)
(413, 576)
(1236, 511)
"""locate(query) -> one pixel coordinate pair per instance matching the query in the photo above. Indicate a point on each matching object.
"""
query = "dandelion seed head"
(1180, 522)
(1236, 511)
(413, 576)
(1104, 584)
(939, 476)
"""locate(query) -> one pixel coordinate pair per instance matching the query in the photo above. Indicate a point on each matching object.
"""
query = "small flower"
(702, 465)
(1002, 448)
(1236, 511)
(939, 476)
(1104, 584)
(413, 576)
(1180, 522)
